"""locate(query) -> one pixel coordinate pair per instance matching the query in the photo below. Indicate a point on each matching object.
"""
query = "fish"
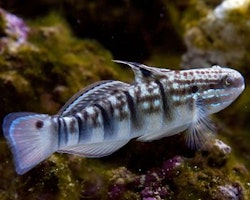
(105, 116)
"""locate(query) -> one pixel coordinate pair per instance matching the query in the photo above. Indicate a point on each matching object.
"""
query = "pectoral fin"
(201, 130)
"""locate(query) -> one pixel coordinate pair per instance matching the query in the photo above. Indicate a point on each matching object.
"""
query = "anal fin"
(95, 150)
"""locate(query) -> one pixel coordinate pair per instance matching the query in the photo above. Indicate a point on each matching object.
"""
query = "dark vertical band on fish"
(165, 104)
(107, 123)
(133, 113)
(62, 132)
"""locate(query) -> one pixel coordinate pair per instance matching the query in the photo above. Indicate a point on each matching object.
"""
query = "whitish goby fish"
(103, 117)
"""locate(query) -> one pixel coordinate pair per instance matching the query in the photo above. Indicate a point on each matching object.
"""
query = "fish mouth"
(239, 83)
(234, 85)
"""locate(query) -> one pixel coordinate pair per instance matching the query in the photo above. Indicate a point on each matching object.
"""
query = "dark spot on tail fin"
(39, 124)
(29, 145)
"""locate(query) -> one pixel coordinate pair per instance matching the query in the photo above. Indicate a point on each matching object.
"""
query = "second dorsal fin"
(144, 72)
(90, 94)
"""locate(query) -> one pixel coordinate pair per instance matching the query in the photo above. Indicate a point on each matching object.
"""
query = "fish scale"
(108, 125)
(106, 115)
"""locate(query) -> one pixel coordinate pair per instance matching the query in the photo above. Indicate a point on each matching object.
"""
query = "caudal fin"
(31, 138)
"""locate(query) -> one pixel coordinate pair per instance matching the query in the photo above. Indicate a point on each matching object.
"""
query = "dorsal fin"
(91, 93)
(144, 72)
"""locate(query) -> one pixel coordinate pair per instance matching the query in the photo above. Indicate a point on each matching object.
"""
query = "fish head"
(222, 86)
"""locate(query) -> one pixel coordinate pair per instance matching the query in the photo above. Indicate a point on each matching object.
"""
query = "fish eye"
(227, 80)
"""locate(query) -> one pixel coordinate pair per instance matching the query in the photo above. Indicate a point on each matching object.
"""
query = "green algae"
(199, 178)
(54, 73)
(220, 36)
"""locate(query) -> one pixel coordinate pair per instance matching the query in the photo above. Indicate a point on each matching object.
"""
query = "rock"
(42, 78)
(220, 37)
(219, 154)
(14, 32)
(230, 192)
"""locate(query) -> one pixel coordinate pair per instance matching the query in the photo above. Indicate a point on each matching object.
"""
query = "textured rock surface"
(45, 66)
(220, 37)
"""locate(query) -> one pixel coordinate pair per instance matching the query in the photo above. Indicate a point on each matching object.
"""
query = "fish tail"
(31, 137)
